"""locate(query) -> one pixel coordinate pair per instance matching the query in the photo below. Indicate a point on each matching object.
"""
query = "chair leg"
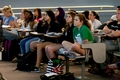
(83, 70)
(67, 64)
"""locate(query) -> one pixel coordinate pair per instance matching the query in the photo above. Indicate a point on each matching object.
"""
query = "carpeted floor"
(7, 70)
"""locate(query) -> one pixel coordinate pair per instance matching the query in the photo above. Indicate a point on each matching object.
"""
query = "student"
(94, 20)
(81, 34)
(50, 25)
(22, 17)
(27, 24)
(52, 49)
(112, 30)
(25, 43)
(37, 15)
(86, 13)
(60, 14)
(8, 19)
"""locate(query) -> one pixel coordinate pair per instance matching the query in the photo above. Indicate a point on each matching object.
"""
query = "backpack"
(11, 49)
(27, 61)
(5, 53)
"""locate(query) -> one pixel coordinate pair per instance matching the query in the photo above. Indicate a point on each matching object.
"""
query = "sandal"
(15, 60)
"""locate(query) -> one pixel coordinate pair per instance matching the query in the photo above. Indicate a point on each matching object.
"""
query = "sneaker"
(37, 69)
(73, 55)
(62, 51)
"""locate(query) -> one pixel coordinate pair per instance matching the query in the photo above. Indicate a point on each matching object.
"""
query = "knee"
(46, 48)
(27, 44)
(64, 42)
(39, 46)
(74, 46)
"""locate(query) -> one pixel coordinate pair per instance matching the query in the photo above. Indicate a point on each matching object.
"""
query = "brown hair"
(72, 15)
(39, 12)
(85, 21)
(96, 15)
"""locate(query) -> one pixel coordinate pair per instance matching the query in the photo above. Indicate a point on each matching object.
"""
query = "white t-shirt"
(113, 17)
(95, 24)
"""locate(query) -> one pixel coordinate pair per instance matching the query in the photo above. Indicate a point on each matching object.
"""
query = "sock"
(49, 66)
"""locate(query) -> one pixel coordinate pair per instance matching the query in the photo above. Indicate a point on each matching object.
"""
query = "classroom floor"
(7, 70)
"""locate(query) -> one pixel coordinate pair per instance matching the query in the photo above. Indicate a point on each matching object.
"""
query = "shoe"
(20, 55)
(42, 66)
(112, 66)
(15, 60)
(73, 55)
(37, 69)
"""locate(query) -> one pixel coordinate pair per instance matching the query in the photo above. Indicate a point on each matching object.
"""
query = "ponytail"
(86, 22)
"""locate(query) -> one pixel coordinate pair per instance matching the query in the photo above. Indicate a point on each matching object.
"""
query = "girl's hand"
(35, 21)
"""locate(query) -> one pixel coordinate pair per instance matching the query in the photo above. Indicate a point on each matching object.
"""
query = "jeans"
(118, 65)
(25, 44)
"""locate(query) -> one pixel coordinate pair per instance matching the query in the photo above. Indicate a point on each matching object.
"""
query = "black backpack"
(27, 61)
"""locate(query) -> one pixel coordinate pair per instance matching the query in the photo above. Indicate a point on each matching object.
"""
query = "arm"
(106, 30)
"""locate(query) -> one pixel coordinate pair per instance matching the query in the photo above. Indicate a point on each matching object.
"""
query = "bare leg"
(66, 45)
(74, 47)
(77, 47)
(40, 47)
(52, 49)
(33, 45)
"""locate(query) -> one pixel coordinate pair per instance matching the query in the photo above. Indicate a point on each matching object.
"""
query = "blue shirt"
(7, 20)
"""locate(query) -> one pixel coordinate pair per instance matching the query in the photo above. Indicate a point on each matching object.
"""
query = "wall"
(44, 3)
(51, 3)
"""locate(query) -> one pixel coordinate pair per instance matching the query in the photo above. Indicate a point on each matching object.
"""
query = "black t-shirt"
(114, 25)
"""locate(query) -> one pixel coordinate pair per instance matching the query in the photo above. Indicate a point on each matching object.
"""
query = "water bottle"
(0, 55)
(99, 39)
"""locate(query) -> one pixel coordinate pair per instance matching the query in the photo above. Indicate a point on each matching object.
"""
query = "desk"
(37, 34)
(23, 30)
(5, 26)
(100, 37)
(56, 35)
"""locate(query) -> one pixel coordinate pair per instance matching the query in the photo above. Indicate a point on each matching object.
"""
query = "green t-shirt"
(81, 34)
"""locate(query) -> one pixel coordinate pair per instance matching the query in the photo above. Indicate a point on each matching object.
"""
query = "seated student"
(22, 18)
(81, 34)
(60, 14)
(112, 30)
(94, 20)
(8, 19)
(52, 49)
(27, 24)
(86, 13)
(50, 25)
(25, 43)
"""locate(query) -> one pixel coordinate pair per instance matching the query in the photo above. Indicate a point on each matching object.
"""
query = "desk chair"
(98, 55)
